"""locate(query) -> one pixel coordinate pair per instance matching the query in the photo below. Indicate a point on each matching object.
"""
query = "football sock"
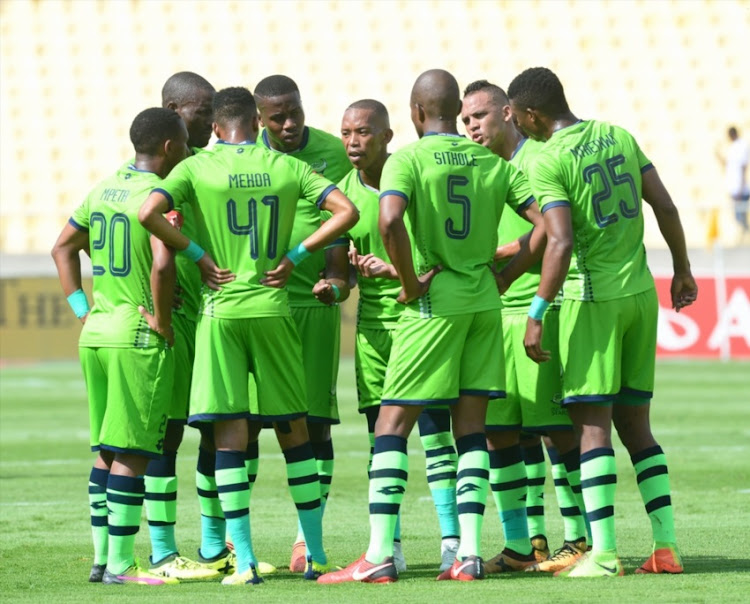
(653, 483)
(98, 506)
(323, 452)
(572, 462)
(213, 525)
(234, 494)
(372, 415)
(161, 505)
(390, 469)
(125, 503)
(508, 482)
(304, 486)
(441, 461)
(536, 472)
(573, 525)
(598, 482)
(472, 481)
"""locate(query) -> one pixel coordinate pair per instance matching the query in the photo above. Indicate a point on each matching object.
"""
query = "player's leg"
(441, 462)
(532, 451)
(632, 421)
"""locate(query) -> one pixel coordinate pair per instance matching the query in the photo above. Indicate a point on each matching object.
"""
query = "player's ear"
(254, 125)
(172, 105)
(215, 128)
(387, 135)
(507, 113)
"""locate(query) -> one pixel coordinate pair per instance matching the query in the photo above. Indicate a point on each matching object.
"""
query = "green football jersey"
(121, 257)
(595, 168)
(377, 307)
(455, 191)
(246, 199)
(325, 154)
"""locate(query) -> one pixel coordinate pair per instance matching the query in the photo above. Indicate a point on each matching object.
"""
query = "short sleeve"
(313, 187)
(519, 190)
(80, 218)
(397, 177)
(547, 184)
(178, 186)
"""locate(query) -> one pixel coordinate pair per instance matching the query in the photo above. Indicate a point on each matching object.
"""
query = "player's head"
(537, 99)
(160, 134)
(191, 96)
(486, 115)
(281, 112)
(366, 132)
(234, 110)
(435, 97)
(733, 134)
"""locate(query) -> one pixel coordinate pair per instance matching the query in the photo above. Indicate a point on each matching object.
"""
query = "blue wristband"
(79, 303)
(298, 254)
(336, 292)
(537, 308)
(193, 251)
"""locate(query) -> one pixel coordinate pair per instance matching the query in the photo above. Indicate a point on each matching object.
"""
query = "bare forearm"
(398, 246)
(668, 219)
(555, 265)
(68, 263)
(163, 284)
(510, 249)
(530, 252)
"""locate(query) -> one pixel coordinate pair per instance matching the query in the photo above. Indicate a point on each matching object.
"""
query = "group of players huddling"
(492, 328)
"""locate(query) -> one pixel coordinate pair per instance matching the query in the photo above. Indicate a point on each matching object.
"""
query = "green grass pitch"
(701, 417)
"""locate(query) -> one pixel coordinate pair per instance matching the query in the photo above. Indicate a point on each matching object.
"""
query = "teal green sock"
(508, 482)
(98, 510)
(441, 462)
(161, 505)
(573, 525)
(598, 482)
(390, 467)
(472, 482)
(234, 494)
(653, 483)
(213, 525)
(304, 486)
(536, 473)
(125, 503)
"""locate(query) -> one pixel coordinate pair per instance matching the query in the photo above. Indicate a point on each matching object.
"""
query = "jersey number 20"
(118, 234)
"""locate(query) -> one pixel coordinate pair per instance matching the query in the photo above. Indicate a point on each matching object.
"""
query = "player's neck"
(440, 126)
(560, 122)
(371, 176)
(509, 145)
(148, 163)
(238, 136)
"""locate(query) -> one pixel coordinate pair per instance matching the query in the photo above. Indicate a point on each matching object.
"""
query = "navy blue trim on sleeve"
(394, 192)
(325, 194)
(646, 168)
(167, 195)
(555, 204)
(525, 204)
(76, 226)
(340, 242)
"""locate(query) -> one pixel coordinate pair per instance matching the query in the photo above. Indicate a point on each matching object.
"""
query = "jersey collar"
(518, 147)
(223, 142)
(431, 133)
(365, 185)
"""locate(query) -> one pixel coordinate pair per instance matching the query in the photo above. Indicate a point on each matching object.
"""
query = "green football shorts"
(129, 390)
(184, 353)
(233, 354)
(608, 349)
(533, 391)
(434, 360)
(319, 329)
(372, 349)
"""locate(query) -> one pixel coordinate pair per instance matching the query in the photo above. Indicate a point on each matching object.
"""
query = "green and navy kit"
(595, 168)
(247, 199)
(325, 154)
(121, 260)
(377, 308)
(455, 191)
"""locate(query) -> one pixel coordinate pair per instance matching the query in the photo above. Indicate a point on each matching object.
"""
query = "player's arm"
(68, 262)
(684, 290)
(163, 283)
(151, 216)
(530, 248)
(334, 286)
(506, 251)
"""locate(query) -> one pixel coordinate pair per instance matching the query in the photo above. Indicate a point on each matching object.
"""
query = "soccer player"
(590, 177)
(366, 132)
(127, 361)
(191, 96)
(532, 390)
(313, 301)
(447, 348)
(247, 198)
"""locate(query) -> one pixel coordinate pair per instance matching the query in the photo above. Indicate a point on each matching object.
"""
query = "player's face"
(484, 120)
(525, 122)
(284, 120)
(364, 138)
(198, 116)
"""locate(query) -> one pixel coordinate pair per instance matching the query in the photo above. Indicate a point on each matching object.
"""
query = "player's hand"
(323, 291)
(421, 286)
(212, 275)
(371, 266)
(280, 275)
(684, 291)
(532, 342)
(502, 284)
(165, 332)
(177, 301)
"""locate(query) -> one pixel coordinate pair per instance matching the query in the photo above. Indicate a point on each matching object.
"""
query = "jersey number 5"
(450, 226)
(251, 228)
(118, 234)
(627, 211)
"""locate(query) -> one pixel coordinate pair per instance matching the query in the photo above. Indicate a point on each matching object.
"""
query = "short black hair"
(152, 127)
(180, 88)
(539, 88)
(234, 104)
(275, 85)
(496, 93)
(378, 109)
